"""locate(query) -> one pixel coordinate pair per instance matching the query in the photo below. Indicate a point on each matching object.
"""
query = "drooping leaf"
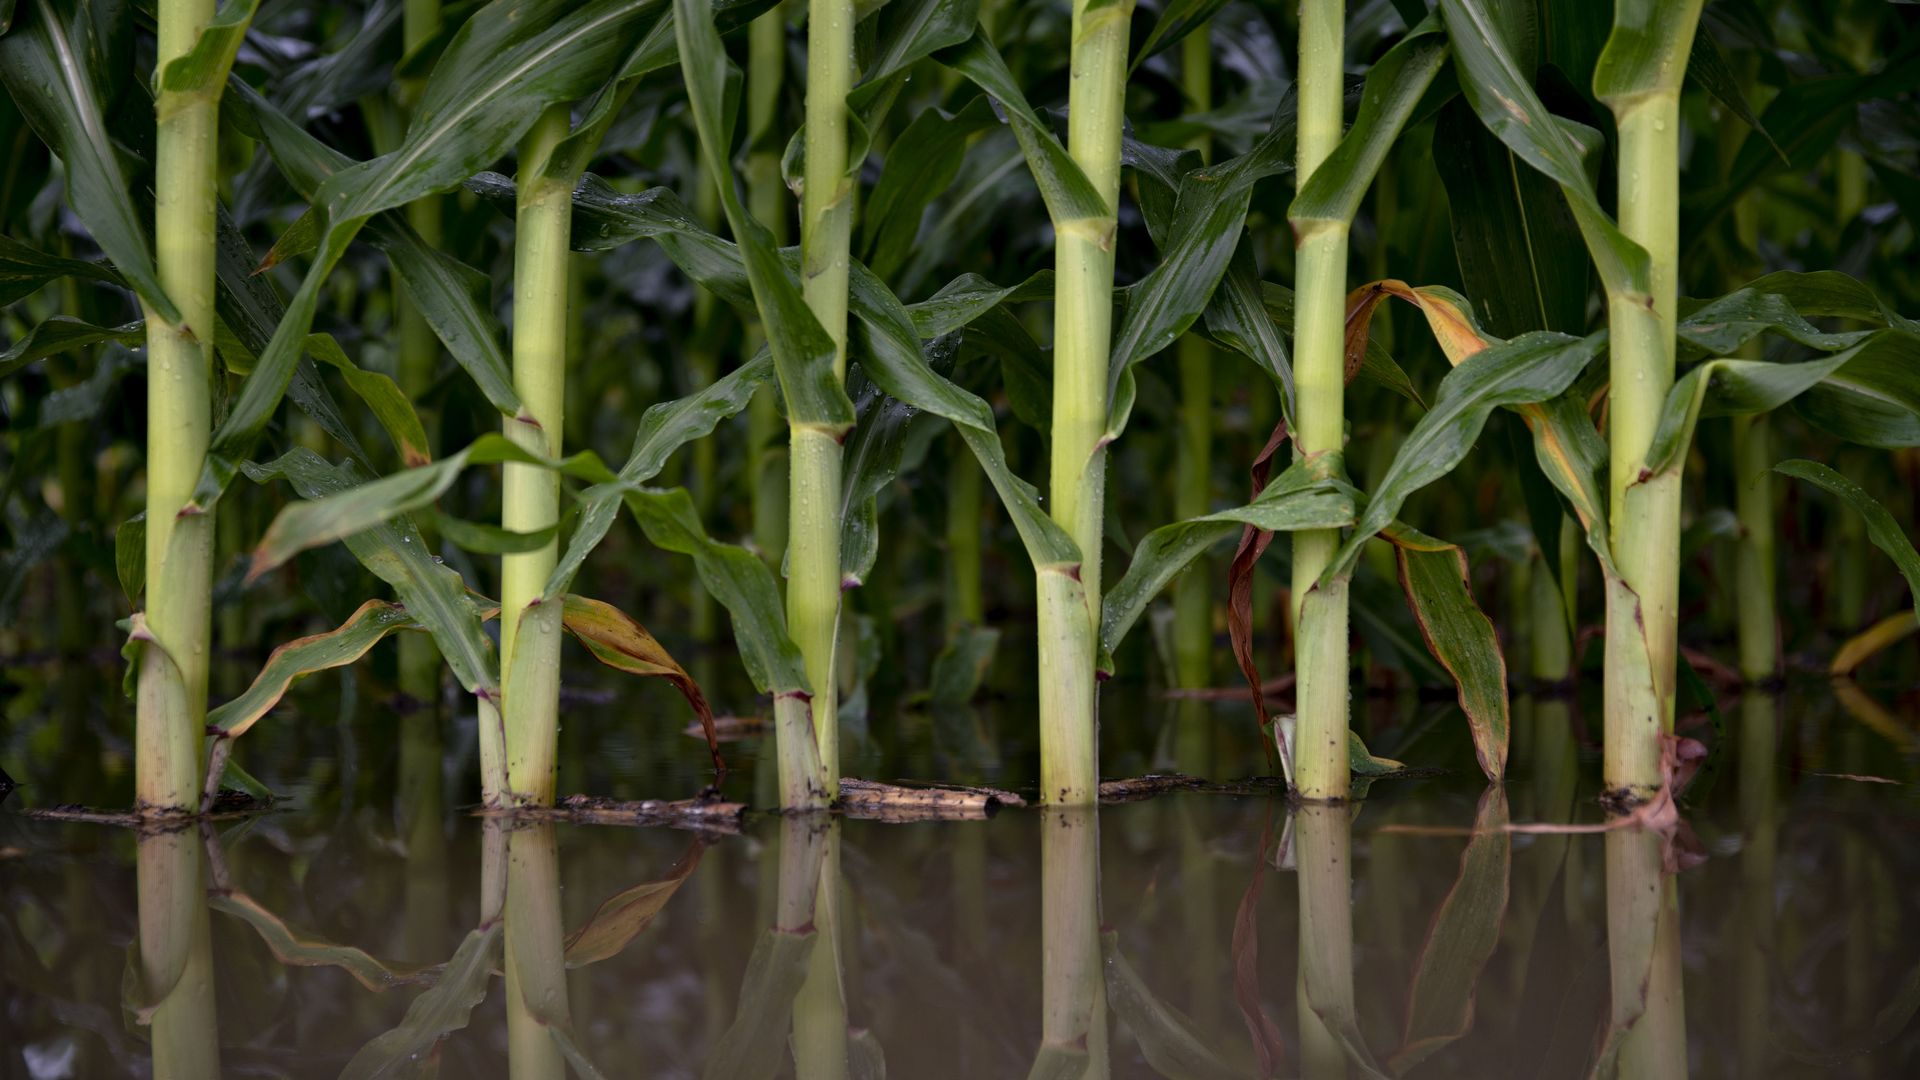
(1459, 635)
(617, 640)
(961, 666)
(60, 334)
(302, 657)
(1178, 18)
(380, 394)
(433, 594)
(1533, 367)
(1885, 532)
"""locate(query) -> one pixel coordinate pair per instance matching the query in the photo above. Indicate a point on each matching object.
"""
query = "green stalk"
(1193, 472)
(767, 199)
(1645, 515)
(1069, 613)
(179, 555)
(826, 223)
(1754, 566)
(530, 684)
(176, 954)
(420, 666)
(1320, 270)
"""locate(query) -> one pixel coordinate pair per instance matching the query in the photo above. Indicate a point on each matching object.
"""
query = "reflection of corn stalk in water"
(1073, 1030)
(176, 955)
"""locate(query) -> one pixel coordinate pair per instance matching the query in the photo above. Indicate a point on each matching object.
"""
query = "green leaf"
(1733, 387)
(802, 352)
(1504, 99)
(907, 31)
(1707, 66)
(1178, 18)
(203, 70)
(1296, 500)
(920, 166)
(1395, 84)
(301, 657)
(1531, 368)
(451, 296)
(433, 594)
(1459, 635)
(24, 269)
(61, 334)
(1885, 532)
(871, 463)
(1460, 940)
(1520, 277)
(507, 64)
(1069, 195)
(48, 63)
(382, 395)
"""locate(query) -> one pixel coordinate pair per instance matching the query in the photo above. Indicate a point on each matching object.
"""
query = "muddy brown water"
(369, 925)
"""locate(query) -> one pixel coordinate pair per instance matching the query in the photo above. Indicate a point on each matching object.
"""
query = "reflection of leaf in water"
(621, 917)
(1059, 1063)
(865, 1059)
(755, 1044)
(297, 948)
(1460, 940)
(1166, 1035)
(408, 1049)
(1267, 1044)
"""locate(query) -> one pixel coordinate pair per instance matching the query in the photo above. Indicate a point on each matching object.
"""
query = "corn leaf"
(24, 269)
(508, 62)
(1460, 940)
(302, 657)
(1395, 84)
(382, 395)
(1069, 195)
(872, 462)
(1885, 532)
(60, 334)
(1298, 499)
(1887, 360)
(433, 594)
(1433, 574)
(802, 351)
(1504, 99)
(1519, 277)
(49, 64)
(1532, 368)
(617, 640)
(920, 166)
(1178, 18)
